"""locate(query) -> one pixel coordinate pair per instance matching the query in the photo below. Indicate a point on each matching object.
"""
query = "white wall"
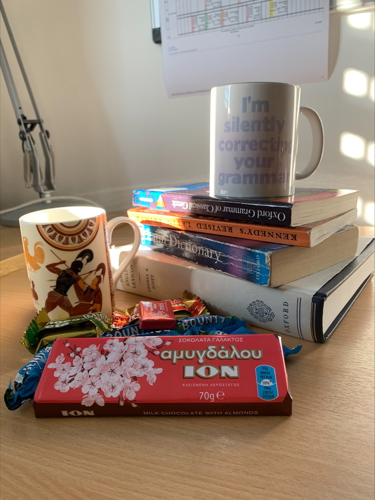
(98, 82)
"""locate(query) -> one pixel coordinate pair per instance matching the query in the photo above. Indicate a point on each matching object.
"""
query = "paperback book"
(309, 235)
(310, 308)
(306, 206)
(267, 264)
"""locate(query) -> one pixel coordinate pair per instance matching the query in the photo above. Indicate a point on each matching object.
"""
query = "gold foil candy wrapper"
(41, 333)
(195, 305)
(89, 330)
(180, 310)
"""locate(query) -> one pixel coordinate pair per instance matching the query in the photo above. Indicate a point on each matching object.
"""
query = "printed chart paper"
(206, 43)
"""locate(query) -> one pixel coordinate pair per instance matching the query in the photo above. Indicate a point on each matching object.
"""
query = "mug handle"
(318, 142)
(137, 240)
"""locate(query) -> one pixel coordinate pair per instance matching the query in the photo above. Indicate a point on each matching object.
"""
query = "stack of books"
(264, 260)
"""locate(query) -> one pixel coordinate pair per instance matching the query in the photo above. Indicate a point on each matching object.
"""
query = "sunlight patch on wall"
(360, 21)
(352, 145)
(359, 206)
(347, 4)
(355, 82)
(372, 89)
(371, 153)
(369, 213)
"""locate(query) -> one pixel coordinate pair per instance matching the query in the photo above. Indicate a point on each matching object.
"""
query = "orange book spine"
(297, 236)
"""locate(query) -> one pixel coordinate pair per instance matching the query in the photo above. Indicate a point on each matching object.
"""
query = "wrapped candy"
(23, 387)
(190, 305)
(156, 315)
(42, 331)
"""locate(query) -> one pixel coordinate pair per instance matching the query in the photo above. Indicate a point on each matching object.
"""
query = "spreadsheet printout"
(206, 43)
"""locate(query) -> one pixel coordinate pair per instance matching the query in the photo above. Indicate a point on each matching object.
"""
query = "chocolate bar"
(164, 376)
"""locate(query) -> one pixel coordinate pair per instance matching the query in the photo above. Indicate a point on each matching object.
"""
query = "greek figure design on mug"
(87, 296)
(68, 260)
(86, 285)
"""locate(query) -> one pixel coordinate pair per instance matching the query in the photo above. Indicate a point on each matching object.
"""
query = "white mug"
(254, 140)
(68, 263)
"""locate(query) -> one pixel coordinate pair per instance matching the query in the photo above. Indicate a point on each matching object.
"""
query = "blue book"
(267, 264)
(151, 198)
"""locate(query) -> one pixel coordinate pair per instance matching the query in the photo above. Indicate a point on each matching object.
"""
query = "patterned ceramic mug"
(68, 263)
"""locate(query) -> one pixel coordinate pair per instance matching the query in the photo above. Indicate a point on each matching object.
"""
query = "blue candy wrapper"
(245, 331)
(198, 325)
(207, 324)
(26, 380)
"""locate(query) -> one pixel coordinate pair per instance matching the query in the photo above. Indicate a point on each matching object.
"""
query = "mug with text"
(68, 263)
(254, 140)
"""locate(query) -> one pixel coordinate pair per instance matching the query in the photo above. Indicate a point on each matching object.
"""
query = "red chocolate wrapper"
(165, 376)
(189, 305)
(156, 315)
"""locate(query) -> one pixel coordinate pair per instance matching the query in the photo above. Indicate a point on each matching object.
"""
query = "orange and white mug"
(68, 262)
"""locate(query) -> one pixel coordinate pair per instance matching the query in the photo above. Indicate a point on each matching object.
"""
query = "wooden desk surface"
(325, 450)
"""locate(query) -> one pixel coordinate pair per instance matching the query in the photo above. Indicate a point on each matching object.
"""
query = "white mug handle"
(137, 240)
(318, 142)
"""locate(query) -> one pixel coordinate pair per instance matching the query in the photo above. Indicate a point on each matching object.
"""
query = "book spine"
(150, 198)
(161, 277)
(248, 231)
(144, 199)
(241, 262)
(263, 213)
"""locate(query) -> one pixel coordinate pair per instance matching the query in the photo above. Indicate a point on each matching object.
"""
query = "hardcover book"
(267, 264)
(310, 308)
(165, 376)
(309, 235)
(306, 206)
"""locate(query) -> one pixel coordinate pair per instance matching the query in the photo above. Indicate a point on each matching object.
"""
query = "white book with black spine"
(309, 308)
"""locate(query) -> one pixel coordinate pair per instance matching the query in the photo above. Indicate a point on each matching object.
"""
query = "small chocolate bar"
(156, 315)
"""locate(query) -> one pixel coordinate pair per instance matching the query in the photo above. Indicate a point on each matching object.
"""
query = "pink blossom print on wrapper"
(115, 370)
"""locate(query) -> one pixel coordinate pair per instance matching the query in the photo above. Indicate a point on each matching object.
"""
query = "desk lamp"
(43, 183)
